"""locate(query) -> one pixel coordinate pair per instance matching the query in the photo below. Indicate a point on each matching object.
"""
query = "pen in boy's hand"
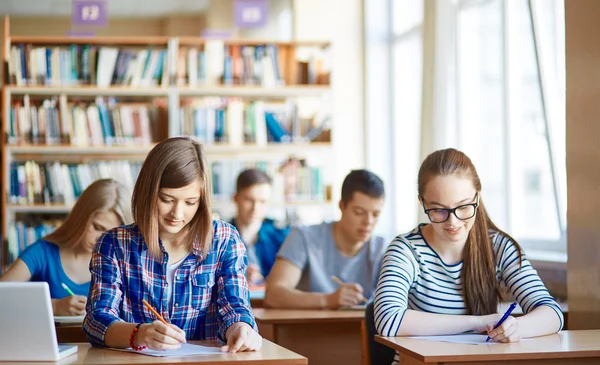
(340, 282)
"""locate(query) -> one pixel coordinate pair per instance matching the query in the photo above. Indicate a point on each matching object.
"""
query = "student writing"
(311, 255)
(63, 256)
(445, 277)
(185, 265)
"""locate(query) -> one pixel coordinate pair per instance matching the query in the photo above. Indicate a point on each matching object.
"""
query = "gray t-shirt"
(313, 250)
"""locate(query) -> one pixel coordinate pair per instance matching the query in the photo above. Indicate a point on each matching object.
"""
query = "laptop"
(27, 330)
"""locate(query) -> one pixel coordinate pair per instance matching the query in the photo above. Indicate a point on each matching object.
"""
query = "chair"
(379, 354)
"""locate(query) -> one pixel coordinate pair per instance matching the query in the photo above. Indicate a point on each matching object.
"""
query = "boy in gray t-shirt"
(311, 256)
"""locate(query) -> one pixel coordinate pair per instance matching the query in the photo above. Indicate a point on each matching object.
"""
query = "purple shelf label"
(89, 12)
(250, 13)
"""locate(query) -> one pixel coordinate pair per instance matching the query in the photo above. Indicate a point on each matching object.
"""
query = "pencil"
(339, 282)
(67, 289)
(158, 316)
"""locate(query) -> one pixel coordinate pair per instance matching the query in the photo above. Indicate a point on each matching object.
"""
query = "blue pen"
(508, 312)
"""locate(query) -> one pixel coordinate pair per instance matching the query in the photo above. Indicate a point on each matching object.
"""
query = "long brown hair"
(105, 195)
(480, 287)
(173, 163)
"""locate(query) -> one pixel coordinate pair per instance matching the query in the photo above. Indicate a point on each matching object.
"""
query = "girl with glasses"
(447, 276)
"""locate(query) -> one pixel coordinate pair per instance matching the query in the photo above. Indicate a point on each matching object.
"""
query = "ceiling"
(116, 8)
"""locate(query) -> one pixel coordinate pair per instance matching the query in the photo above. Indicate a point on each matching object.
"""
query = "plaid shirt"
(124, 273)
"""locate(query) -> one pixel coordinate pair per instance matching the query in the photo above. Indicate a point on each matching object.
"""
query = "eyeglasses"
(463, 212)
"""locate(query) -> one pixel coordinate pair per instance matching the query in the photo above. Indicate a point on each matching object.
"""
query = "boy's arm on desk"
(281, 289)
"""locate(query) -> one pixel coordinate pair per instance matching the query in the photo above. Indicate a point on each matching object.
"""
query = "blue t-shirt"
(43, 260)
(268, 241)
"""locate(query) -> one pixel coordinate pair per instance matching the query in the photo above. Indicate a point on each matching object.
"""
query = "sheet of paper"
(68, 319)
(186, 349)
(471, 339)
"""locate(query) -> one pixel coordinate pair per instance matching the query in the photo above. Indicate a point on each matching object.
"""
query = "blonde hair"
(173, 163)
(105, 195)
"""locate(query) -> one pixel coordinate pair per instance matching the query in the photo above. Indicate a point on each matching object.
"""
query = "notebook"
(27, 330)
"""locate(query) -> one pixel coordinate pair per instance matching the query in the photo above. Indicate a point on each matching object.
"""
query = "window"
(511, 94)
(502, 101)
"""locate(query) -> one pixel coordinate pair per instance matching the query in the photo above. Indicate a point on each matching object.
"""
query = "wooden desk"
(269, 354)
(70, 333)
(567, 347)
(323, 336)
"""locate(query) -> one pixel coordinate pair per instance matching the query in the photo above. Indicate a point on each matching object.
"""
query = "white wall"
(341, 23)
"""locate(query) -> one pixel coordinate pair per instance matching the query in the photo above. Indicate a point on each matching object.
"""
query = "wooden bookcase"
(167, 95)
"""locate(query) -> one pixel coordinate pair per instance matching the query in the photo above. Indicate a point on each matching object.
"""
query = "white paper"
(186, 349)
(471, 339)
(69, 319)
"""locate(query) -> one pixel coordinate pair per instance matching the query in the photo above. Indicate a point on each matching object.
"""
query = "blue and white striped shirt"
(413, 276)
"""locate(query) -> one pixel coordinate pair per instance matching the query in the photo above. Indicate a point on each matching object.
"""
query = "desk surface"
(269, 354)
(566, 344)
(301, 316)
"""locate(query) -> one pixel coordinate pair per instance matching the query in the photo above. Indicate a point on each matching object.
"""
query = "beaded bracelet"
(134, 347)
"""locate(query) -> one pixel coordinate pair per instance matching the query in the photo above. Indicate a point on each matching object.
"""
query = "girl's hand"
(508, 331)
(159, 336)
(241, 337)
(73, 305)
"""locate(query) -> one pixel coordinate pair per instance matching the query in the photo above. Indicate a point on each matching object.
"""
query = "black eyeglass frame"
(453, 210)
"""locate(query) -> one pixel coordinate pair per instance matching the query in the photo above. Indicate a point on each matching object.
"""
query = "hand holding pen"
(69, 305)
(159, 335)
(347, 294)
(507, 328)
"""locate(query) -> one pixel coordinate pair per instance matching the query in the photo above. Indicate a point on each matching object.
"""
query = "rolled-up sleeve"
(233, 293)
(106, 290)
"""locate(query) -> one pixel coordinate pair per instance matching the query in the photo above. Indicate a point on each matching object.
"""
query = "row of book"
(233, 121)
(58, 183)
(82, 123)
(292, 181)
(213, 63)
(86, 64)
(24, 233)
(34, 182)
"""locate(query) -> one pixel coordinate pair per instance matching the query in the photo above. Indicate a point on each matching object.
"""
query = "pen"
(508, 312)
(158, 316)
(339, 282)
(67, 289)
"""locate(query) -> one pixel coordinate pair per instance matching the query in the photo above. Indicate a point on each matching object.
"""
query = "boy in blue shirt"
(260, 235)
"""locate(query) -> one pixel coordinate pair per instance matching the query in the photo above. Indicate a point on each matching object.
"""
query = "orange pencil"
(158, 316)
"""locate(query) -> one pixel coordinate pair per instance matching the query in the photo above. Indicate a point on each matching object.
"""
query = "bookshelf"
(96, 106)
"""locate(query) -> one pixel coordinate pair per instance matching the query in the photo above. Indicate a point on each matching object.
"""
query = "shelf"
(74, 150)
(218, 90)
(220, 149)
(271, 148)
(39, 208)
(88, 90)
(255, 91)
(195, 41)
(224, 204)
(108, 41)
(64, 209)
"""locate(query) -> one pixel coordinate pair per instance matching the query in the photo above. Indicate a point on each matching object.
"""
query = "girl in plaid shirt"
(189, 267)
